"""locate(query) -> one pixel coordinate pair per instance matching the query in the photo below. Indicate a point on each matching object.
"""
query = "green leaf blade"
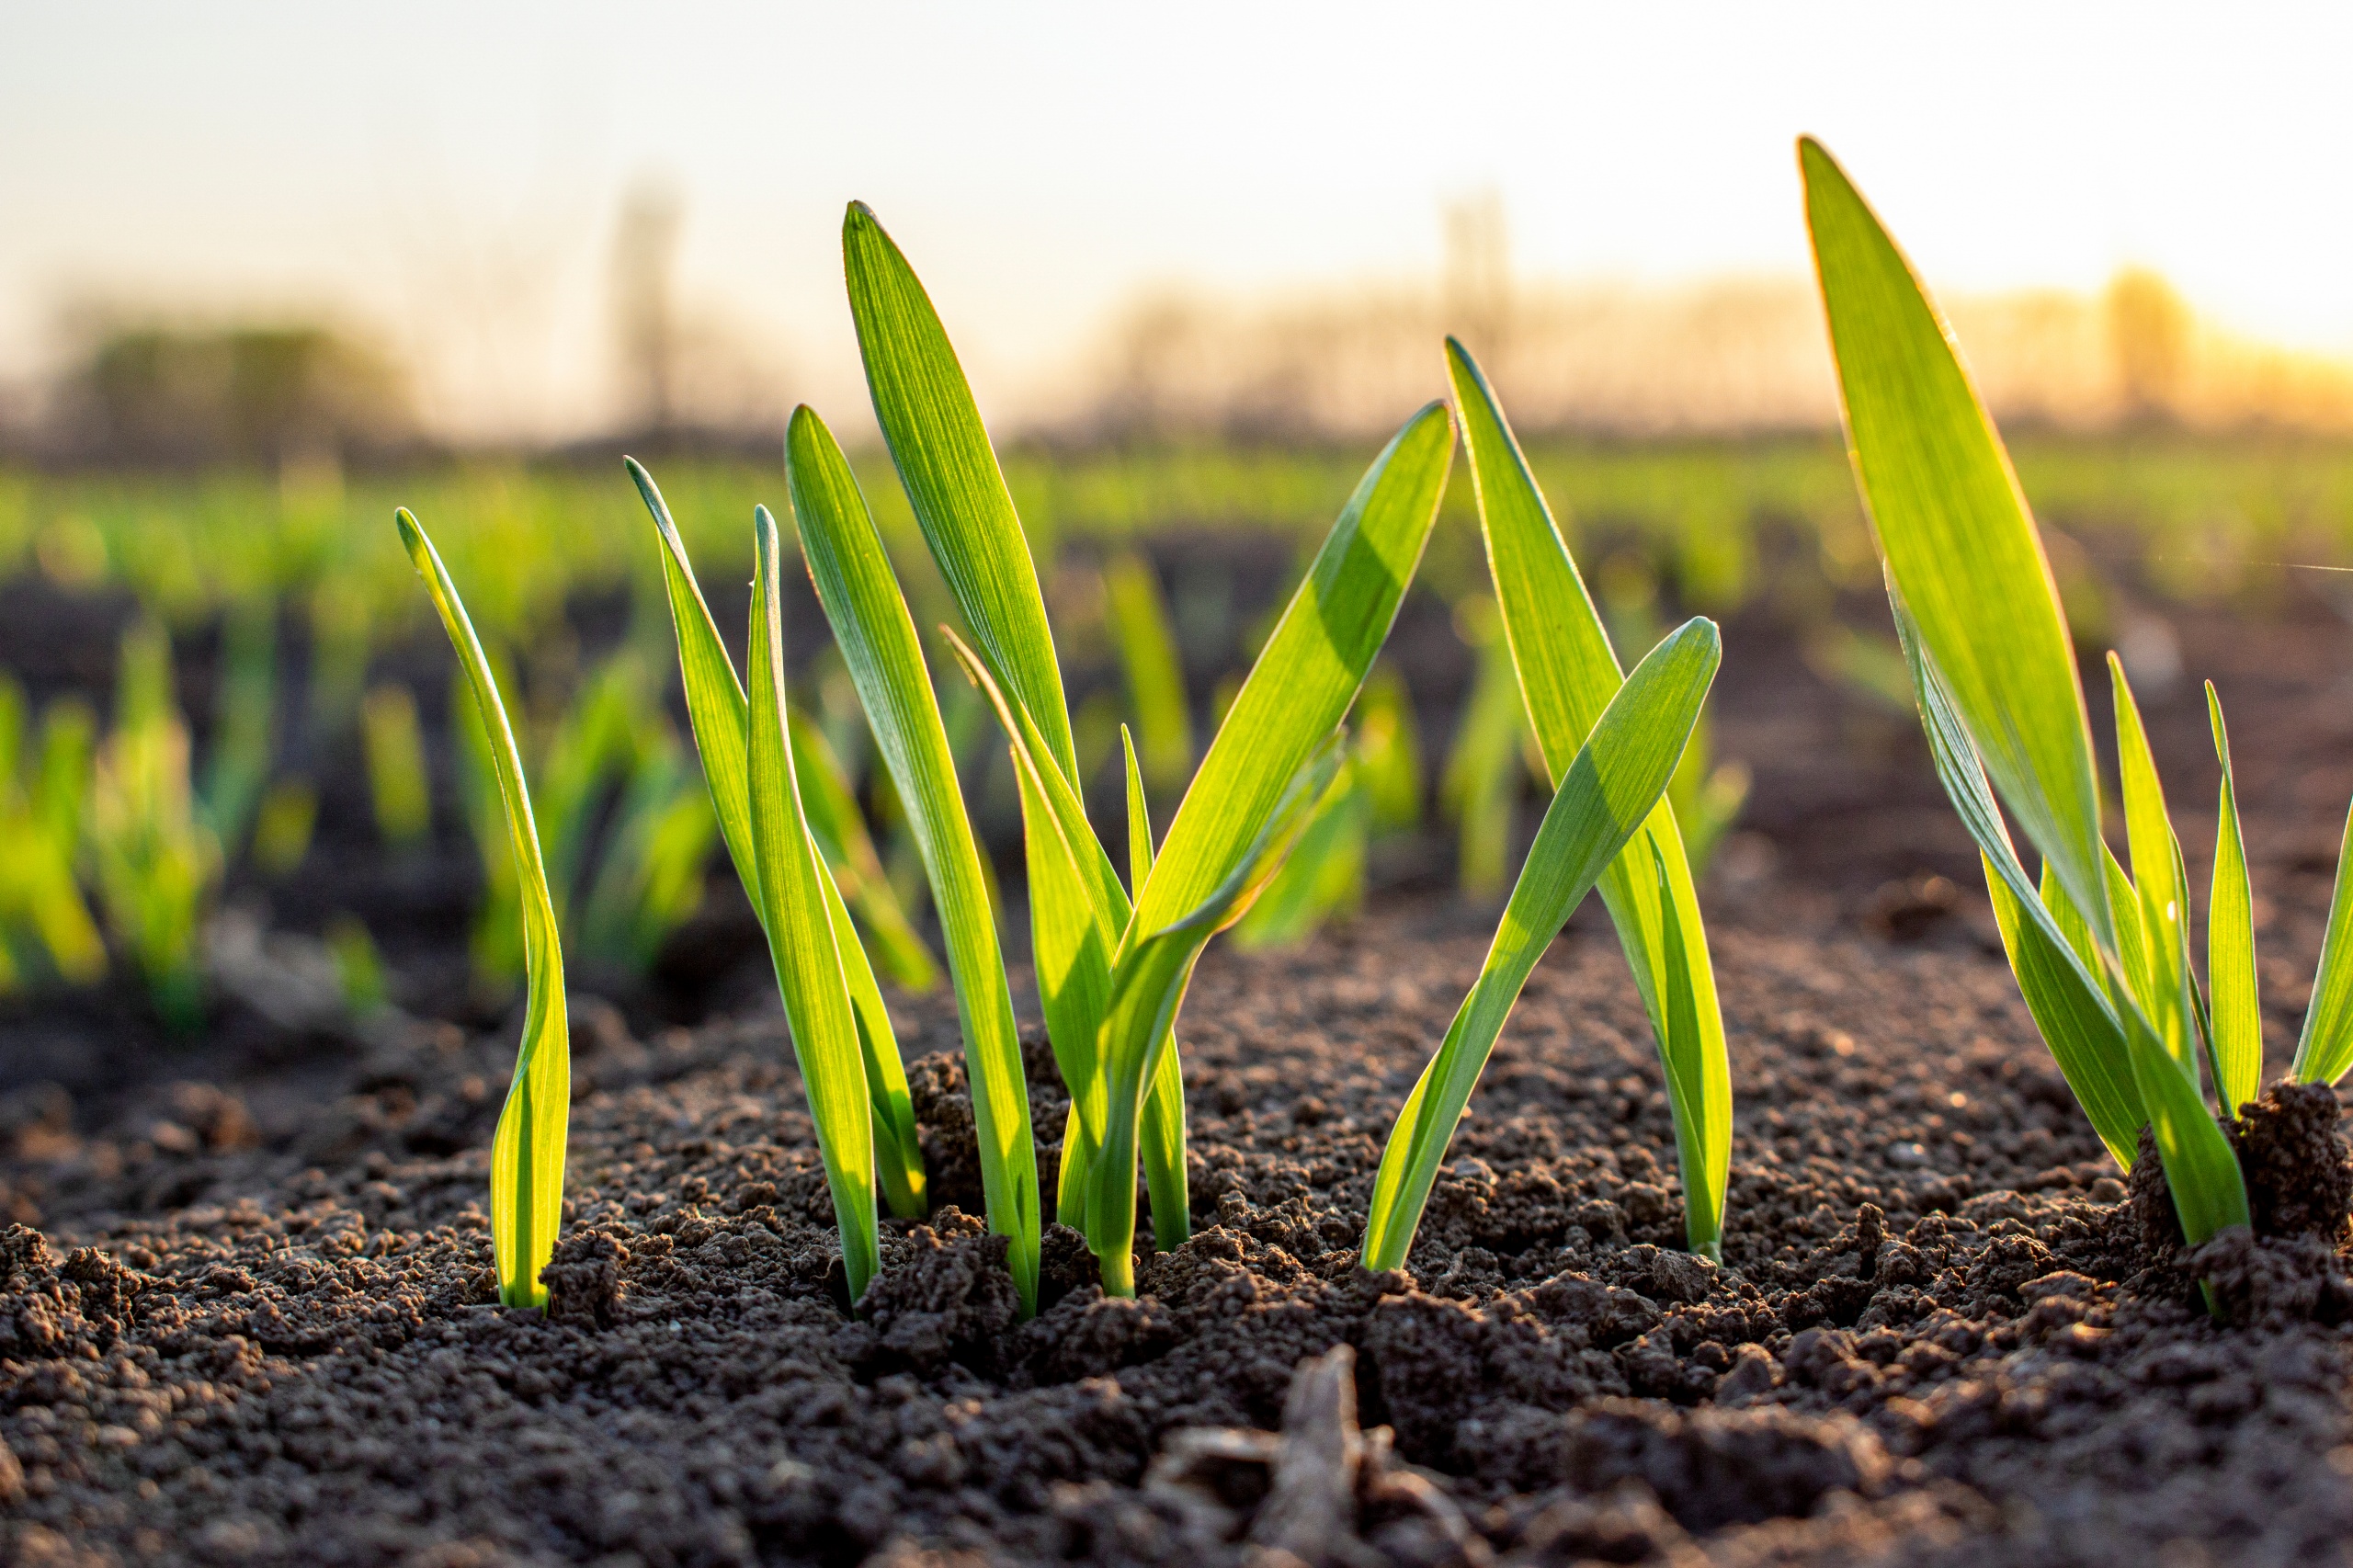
(941, 448)
(2230, 942)
(1955, 533)
(1611, 786)
(1568, 674)
(527, 1157)
(876, 636)
(720, 716)
(802, 938)
(1309, 672)
(2325, 1049)
(2157, 883)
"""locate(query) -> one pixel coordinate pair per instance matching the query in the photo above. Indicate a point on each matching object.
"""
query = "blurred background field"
(232, 781)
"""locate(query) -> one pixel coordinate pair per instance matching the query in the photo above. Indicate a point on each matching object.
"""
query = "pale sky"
(448, 174)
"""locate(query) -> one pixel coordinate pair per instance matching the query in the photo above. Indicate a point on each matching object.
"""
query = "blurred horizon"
(518, 227)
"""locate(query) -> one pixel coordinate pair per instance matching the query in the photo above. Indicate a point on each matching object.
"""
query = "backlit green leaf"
(526, 1152)
(1612, 784)
(2158, 881)
(2230, 943)
(2325, 1048)
(951, 473)
(721, 719)
(877, 636)
(1956, 536)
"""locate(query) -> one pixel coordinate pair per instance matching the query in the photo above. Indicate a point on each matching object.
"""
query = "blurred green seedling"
(155, 864)
(46, 927)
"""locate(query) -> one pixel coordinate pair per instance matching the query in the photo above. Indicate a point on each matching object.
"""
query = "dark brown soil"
(247, 1314)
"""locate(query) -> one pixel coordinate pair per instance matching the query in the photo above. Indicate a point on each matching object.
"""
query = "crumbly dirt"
(1936, 1337)
(247, 1311)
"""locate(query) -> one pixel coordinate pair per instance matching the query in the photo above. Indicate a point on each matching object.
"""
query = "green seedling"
(2101, 954)
(1379, 791)
(245, 720)
(1480, 788)
(1607, 792)
(1154, 670)
(157, 864)
(526, 1153)
(1113, 962)
(1706, 796)
(720, 715)
(44, 924)
(283, 826)
(358, 967)
(398, 784)
(803, 912)
(1568, 673)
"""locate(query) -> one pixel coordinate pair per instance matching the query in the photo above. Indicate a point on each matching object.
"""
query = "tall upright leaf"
(808, 962)
(2324, 1049)
(2159, 886)
(526, 1153)
(1568, 674)
(1610, 787)
(721, 718)
(1955, 533)
(2230, 943)
(876, 636)
(925, 408)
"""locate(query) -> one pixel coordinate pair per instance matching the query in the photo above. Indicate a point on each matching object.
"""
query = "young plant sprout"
(1607, 794)
(723, 721)
(1568, 675)
(528, 1150)
(43, 921)
(1114, 962)
(157, 864)
(2101, 954)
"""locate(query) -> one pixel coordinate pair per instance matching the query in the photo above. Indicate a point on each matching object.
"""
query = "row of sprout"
(1312, 755)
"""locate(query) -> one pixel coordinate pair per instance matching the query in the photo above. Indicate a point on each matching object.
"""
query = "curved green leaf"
(1611, 786)
(721, 718)
(801, 942)
(951, 473)
(2324, 1049)
(1568, 673)
(2230, 943)
(2158, 884)
(877, 636)
(1954, 531)
(526, 1153)
(1308, 674)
